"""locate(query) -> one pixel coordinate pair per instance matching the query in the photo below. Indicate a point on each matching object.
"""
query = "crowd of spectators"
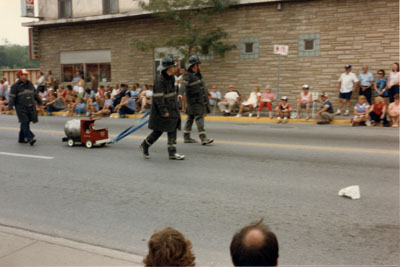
(253, 245)
(95, 100)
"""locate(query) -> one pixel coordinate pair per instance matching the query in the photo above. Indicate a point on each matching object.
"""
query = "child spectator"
(266, 100)
(394, 81)
(70, 96)
(3, 104)
(394, 111)
(283, 110)
(127, 106)
(92, 106)
(107, 107)
(360, 111)
(43, 95)
(135, 93)
(380, 86)
(80, 107)
(61, 92)
(251, 102)
(377, 112)
(305, 101)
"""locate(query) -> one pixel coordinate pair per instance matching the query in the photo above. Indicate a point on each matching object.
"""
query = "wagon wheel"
(70, 142)
(89, 144)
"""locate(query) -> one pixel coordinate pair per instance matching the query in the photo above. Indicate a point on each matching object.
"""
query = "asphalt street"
(288, 174)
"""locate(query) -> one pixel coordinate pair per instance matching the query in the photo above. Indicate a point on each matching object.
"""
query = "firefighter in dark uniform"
(197, 102)
(165, 115)
(22, 96)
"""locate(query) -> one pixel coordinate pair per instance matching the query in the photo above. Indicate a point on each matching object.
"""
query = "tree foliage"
(16, 57)
(192, 17)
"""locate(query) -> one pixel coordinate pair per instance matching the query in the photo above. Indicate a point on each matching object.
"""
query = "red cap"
(22, 71)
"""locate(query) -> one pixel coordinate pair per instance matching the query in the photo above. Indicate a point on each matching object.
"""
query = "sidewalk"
(340, 120)
(23, 248)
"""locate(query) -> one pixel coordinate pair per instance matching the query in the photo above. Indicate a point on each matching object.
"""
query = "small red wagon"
(83, 131)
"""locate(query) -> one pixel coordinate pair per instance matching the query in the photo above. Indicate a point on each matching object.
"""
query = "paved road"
(287, 174)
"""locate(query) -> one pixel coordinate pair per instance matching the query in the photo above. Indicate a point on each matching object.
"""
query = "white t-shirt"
(231, 95)
(394, 78)
(348, 81)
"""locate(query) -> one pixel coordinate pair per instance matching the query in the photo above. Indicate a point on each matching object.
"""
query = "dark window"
(204, 50)
(249, 47)
(101, 70)
(308, 44)
(110, 6)
(64, 9)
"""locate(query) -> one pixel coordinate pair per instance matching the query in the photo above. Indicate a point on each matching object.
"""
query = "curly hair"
(169, 247)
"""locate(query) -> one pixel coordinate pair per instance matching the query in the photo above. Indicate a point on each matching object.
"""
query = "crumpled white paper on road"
(352, 192)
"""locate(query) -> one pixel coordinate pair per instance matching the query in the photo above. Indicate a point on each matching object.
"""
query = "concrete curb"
(233, 119)
(115, 254)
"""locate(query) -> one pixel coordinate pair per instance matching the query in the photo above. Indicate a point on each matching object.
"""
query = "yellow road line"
(257, 144)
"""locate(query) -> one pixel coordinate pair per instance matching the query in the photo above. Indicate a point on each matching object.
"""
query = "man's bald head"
(255, 245)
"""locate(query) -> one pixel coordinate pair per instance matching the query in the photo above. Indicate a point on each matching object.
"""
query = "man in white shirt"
(231, 100)
(347, 84)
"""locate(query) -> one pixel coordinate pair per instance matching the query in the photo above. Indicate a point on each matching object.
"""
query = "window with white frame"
(309, 45)
(249, 48)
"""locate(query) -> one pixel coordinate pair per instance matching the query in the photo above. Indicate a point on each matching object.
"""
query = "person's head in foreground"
(169, 247)
(255, 245)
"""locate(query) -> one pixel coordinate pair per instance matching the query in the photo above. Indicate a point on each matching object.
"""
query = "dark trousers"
(199, 122)
(153, 137)
(367, 94)
(377, 117)
(394, 90)
(125, 110)
(25, 132)
(52, 108)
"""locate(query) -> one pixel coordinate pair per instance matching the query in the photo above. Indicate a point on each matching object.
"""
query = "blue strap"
(130, 130)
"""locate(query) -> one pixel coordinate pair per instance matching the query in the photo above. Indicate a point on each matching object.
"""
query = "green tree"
(192, 17)
(15, 57)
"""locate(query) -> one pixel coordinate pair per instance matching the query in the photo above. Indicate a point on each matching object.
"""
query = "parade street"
(288, 174)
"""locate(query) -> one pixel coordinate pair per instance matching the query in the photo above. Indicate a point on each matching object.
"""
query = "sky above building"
(10, 21)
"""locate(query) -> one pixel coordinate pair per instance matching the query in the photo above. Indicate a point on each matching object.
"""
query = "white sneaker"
(284, 120)
(251, 115)
(238, 116)
(368, 123)
(346, 113)
(279, 119)
(338, 112)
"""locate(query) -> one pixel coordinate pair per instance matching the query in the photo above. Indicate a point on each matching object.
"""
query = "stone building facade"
(322, 35)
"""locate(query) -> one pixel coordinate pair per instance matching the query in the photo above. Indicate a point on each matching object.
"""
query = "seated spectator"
(92, 106)
(55, 102)
(127, 106)
(135, 94)
(266, 100)
(325, 114)
(79, 107)
(169, 247)
(107, 107)
(122, 92)
(71, 96)
(61, 92)
(305, 101)
(3, 104)
(380, 86)
(255, 245)
(394, 111)
(360, 111)
(100, 98)
(43, 94)
(230, 102)
(145, 97)
(283, 110)
(214, 96)
(3, 89)
(251, 102)
(377, 113)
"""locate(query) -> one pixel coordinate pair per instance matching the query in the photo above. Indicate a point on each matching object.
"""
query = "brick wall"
(355, 32)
